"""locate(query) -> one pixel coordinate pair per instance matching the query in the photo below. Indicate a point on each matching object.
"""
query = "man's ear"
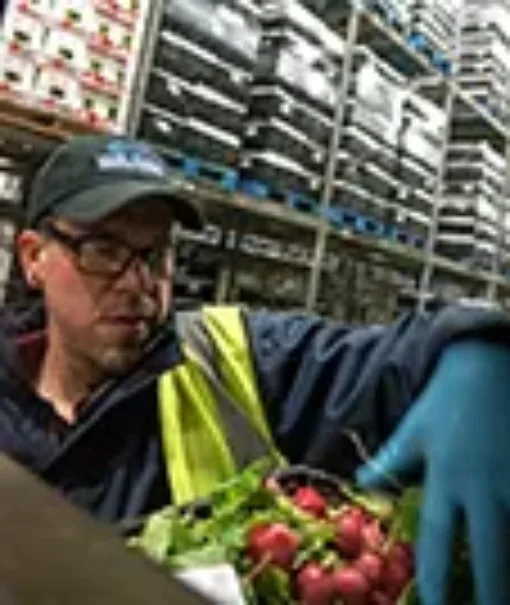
(32, 255)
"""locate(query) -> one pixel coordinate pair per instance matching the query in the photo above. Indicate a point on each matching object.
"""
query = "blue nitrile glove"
(459, 430)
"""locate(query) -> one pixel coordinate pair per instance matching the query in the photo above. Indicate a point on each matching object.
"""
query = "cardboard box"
(58, 89)
(65, 49)
(99, 109)
(24, 31)
(17, 71)
(75, 14)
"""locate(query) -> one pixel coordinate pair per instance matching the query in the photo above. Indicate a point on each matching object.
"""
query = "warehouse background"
(353, 157)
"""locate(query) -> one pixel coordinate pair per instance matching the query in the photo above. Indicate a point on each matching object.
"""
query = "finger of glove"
(488, 528)
(434, 551)
(400, 455)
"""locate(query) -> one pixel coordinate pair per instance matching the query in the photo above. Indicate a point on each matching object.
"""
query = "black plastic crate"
(267, 73)
(450, 211)
(365, 146)
(414, 174)
(204, 106)
(267, 102)
(332, 11)
(277, 137)
(473, 173)
(199, 29)
(468, 254)
(472, 188)
(352, 196)
(196, 100)
(165, 92)
(161, 129)
(280, 179)
(416, 200)
(178, 56)
(372, 122)
(404, 219)
(208, 144)
(476, 228)
(373, 177)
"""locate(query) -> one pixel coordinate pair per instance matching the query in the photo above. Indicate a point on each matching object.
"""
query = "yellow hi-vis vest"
(213, 422)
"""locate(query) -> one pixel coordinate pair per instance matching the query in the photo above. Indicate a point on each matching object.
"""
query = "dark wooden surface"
(53, 554)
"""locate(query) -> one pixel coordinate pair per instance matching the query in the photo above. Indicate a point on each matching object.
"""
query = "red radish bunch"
(351, 586)
(371, 565)
(274, 543)
(309, 500)
(370, 580)
(314, 585)
(349, 532)
(366, 569)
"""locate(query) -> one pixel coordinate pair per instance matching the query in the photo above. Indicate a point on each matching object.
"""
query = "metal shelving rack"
(236, 213)
(363, 26)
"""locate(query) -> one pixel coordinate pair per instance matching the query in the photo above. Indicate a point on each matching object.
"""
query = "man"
(124, 406)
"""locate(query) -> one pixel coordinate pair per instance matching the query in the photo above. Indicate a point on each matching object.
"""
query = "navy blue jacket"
(317, 378)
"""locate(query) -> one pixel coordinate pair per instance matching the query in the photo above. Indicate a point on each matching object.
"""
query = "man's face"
(104, 319)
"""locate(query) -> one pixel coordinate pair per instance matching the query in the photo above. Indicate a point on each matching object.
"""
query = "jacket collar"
(22, 342)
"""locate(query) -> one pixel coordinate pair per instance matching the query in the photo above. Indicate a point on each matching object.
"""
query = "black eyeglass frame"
(75, 244)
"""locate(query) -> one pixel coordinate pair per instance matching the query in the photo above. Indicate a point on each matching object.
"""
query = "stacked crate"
(11, 194)
(292, 109)
(368, 156)
(484, 69)
(197, 92)
(433, 24)
(71, 56)
(420, 155)
(392, 149)
(199, 257)
(391, 139)
(505, 253)
(471, 210)
(292, 99)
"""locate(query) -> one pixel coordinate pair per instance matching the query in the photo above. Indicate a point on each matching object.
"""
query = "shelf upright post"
(497, 258)
(506, 201)
(332, 161)
(430, 244)
(148, 42)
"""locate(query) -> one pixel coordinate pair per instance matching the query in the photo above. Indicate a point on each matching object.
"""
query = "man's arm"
(321, 381)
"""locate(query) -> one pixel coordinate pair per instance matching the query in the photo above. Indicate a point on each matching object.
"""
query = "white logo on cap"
(130, 157)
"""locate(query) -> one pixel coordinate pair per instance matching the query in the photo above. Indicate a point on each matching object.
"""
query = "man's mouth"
(129, 320)
(130, 323)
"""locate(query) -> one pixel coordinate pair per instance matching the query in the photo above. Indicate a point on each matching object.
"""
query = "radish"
(315, 585)
(395, 578)
(351, 586)
(348, 534)
(309, 500)
(371, 565)
(274, 542)
(379, 598)
(403, 553)
(356, 512)
(372, 535)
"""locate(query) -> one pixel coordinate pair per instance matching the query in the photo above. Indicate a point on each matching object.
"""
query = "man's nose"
(138, 274)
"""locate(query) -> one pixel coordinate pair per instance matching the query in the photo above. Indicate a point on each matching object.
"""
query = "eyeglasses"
(105, 255)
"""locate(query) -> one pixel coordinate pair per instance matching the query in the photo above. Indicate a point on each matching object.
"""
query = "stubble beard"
(114, 361)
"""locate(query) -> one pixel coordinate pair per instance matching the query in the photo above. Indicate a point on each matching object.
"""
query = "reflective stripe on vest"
(213, 422)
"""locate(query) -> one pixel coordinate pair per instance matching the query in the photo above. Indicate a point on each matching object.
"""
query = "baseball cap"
(92, 176)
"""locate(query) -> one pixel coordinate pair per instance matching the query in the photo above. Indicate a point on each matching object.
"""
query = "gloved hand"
(458, 430)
